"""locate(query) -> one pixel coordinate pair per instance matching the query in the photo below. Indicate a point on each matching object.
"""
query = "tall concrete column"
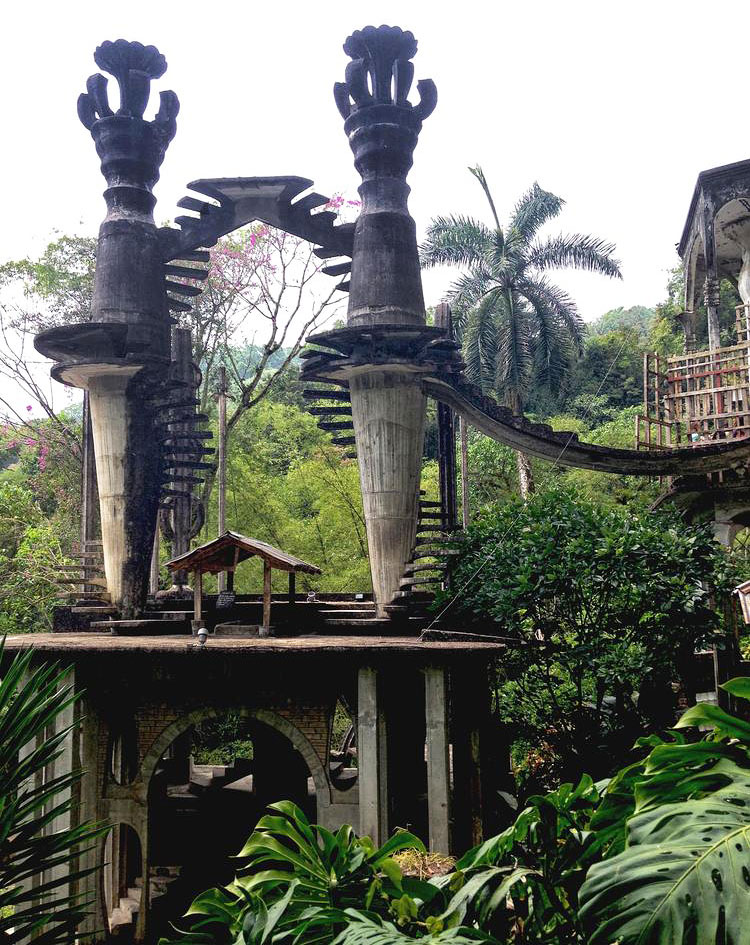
(438, 759)
(388, 407)
(120, 355)
(371, 758)
(388, 410)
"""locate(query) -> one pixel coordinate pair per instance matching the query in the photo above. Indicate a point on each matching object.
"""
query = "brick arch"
(266, 717)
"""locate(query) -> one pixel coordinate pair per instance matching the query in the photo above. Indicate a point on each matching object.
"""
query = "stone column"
(120, 355)
(371, 758)
(438, 759)
(388, 407)
(469, 704)
(388, 410)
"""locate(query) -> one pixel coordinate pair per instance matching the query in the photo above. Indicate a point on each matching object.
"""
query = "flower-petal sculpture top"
(383, 128)
(131, 149)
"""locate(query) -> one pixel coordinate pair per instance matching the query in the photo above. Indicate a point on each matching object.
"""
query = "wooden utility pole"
(222, 461)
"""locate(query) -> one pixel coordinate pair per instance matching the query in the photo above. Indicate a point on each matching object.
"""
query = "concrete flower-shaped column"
(121, 355)
(388, 406)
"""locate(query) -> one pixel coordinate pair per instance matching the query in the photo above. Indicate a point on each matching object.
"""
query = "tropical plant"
(519, 329)
(38, 860)
(683, 872)
(524, 882)
(300, 882)
(602, 608)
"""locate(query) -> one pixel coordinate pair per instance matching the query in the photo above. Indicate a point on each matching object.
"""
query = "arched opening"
(123, 751)
(122, 879)
(342, 762)
(212, 776)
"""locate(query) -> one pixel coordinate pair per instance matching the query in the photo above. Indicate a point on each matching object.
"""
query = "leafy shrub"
(605, 608)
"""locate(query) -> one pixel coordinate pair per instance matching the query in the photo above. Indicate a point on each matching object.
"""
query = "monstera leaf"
(684, 876)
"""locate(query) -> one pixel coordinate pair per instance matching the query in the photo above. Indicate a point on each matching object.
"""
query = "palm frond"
(553, 350)
(514, 359)
(535, 208)
(543, 296)
(454, 240)
(32, 738)
(480, 344)
(479, 174)
(575, 251)
(469, 289)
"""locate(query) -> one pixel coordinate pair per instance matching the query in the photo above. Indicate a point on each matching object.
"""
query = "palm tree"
(519, 329)
(36, 843)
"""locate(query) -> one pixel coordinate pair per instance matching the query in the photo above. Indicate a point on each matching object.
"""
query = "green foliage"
(31, 553)
(32, 698)
(61, 279)
(299, 881)
(605, 606)
(519, 330)
(683, 875)
(219, 741)
(539, 862)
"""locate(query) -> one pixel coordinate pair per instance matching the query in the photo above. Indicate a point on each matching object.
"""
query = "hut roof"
(219, 554)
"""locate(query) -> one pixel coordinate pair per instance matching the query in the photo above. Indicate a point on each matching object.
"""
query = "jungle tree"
(519, 329)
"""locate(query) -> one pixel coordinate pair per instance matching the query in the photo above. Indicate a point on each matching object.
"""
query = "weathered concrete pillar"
(128, 488)
(120, 355)
(388, 407)
(388, 410)
(90, 759)
(371, 758)
(438, 759)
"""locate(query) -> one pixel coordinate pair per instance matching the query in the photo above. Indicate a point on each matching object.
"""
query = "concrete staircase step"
(414, 568)
(142, 627)
(95, 609)
(357, 622)
(414, 581)
(347, 604)
(348, 612)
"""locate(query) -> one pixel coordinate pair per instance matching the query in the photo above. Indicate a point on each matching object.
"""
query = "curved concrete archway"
(266, 717)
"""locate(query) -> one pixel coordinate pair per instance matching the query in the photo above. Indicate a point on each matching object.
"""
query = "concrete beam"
(438, 761)
(371, 758)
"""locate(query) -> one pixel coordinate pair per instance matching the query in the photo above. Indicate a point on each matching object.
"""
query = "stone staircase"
(87, 576)
(357, 617)
(425, 570)
(334, 418)
(124, 917)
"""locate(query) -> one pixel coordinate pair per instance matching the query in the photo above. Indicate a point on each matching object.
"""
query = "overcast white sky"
(615, 106)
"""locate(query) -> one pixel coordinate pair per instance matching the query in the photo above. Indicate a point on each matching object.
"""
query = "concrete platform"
(95, 643)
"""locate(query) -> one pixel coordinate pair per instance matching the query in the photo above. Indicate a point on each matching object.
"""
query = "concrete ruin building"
(416, 704)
